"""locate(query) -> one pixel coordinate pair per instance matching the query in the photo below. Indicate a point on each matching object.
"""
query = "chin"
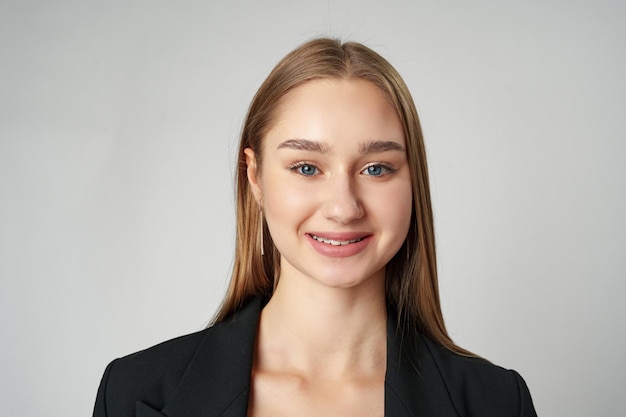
(340, 280)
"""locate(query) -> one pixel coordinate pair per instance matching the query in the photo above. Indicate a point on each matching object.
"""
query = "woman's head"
(334, 152)
(410, 275)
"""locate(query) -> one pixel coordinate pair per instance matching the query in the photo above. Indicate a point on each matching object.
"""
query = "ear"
(252, 171)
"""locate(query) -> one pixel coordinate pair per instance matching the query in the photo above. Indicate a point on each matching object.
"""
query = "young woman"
(333, 308)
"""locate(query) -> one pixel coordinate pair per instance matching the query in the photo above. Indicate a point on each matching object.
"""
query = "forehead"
(330, 110)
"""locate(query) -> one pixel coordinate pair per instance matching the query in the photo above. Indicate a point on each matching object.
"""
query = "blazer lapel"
(413, 384)
(144, 410)
(217, 380)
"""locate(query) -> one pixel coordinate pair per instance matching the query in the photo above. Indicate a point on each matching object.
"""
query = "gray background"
(118, 130)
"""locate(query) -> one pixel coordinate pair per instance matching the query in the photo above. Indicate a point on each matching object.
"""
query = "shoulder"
(150, 374)
(154, 376)
(162, 360)
(477, 387)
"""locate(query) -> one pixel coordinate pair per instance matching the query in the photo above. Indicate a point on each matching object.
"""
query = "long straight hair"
(412, 291)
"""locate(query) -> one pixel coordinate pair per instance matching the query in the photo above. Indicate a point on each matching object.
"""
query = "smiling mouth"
(335, 242)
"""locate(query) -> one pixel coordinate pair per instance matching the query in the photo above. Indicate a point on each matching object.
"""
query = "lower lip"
(340, 251)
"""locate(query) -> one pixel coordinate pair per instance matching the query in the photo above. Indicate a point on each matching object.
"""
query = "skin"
(335, 189)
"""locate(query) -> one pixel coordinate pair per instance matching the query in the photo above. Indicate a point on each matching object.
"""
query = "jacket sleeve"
(100, 409)
(527, 409)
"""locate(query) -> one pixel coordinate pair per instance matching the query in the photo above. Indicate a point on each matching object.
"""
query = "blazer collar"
(413, 384)
(217, 380)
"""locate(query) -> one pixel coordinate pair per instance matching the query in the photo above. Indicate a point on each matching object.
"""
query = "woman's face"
(335, 184)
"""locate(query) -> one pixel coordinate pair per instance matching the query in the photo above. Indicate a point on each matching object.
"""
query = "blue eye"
(378, 170)
(375, 170)
(305, 169)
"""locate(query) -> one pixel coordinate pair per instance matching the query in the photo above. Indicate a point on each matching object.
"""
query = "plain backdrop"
(119, 123)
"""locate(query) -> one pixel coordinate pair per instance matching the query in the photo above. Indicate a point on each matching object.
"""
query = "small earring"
(261, 232)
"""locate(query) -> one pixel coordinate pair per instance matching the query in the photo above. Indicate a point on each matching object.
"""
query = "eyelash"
(386, 168)
(297, 165)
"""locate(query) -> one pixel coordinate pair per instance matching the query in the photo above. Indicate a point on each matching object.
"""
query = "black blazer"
(208, 374)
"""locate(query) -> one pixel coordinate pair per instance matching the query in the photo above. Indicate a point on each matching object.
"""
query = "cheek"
(393, 206)
(285, 201)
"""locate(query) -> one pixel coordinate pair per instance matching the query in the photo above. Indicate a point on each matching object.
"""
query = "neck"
(326, 332)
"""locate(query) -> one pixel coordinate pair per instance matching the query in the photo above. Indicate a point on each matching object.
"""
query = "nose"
(342, 203)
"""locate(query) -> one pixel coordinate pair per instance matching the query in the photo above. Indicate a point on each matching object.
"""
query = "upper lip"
(340, 236)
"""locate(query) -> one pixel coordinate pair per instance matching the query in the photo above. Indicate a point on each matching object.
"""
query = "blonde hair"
(411, 275)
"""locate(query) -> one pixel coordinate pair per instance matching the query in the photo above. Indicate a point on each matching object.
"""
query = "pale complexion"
(336, 194)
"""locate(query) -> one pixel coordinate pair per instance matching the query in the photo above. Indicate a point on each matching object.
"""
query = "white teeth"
(335, 242)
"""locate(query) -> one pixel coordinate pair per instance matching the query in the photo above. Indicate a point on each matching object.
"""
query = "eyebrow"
(303, 145)
(377, 146)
